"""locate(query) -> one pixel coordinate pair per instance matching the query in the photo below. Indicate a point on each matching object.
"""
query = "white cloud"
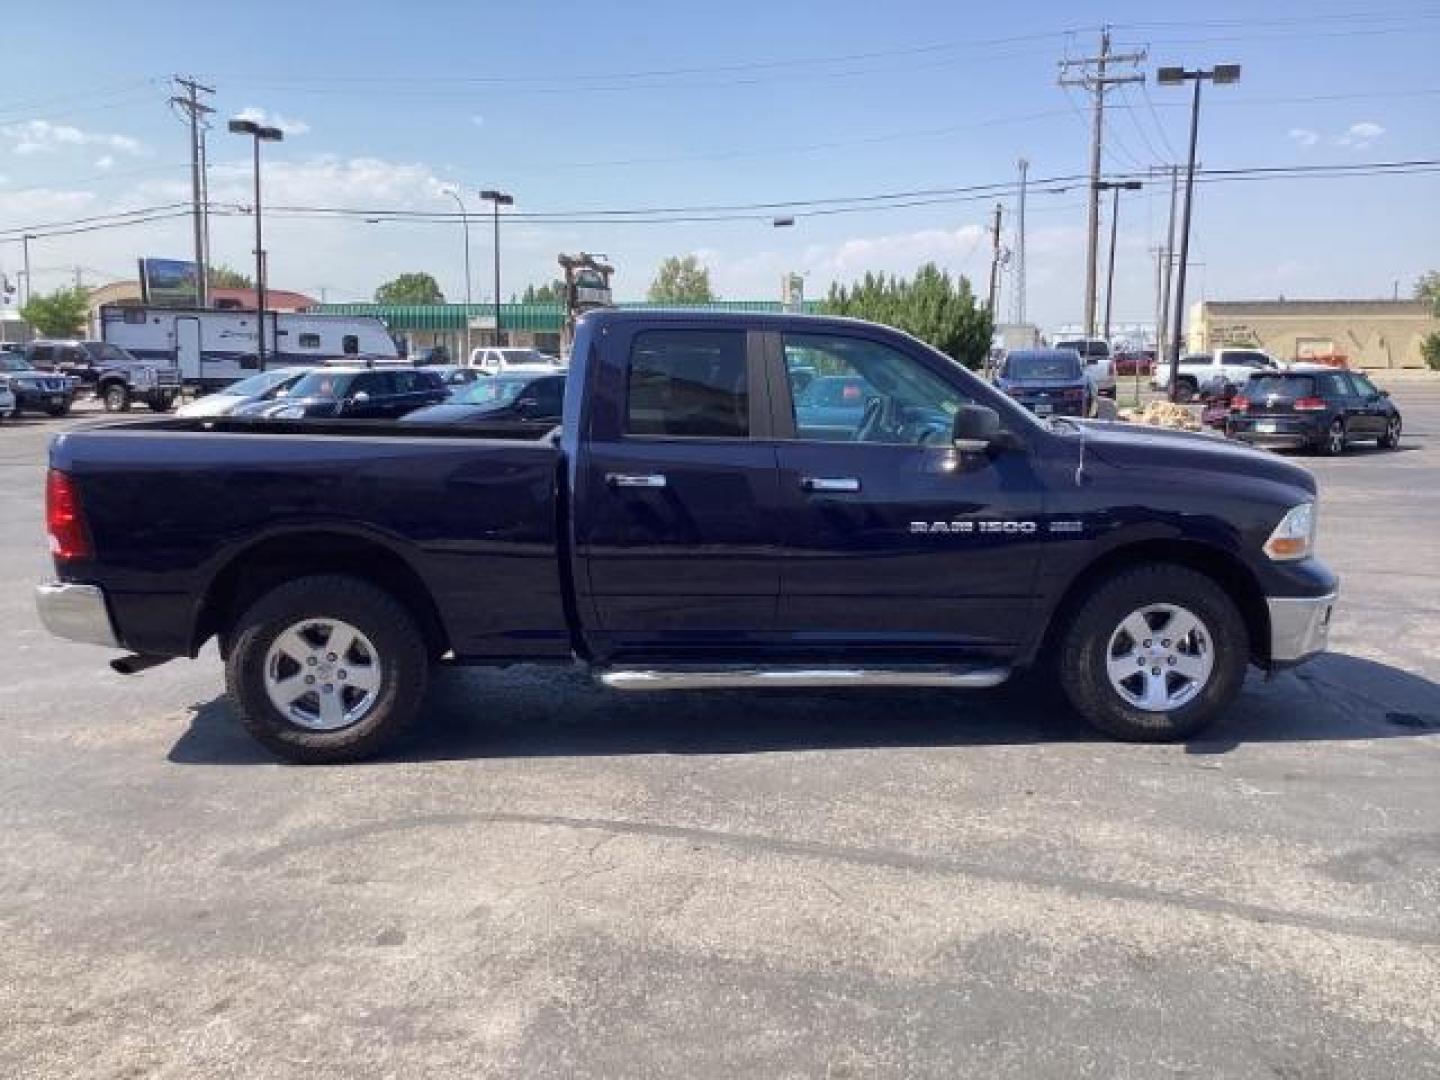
(478, 120)
(1304, 136)
(105, 163)
(288, 125)
(1359, 136)
(43, 137)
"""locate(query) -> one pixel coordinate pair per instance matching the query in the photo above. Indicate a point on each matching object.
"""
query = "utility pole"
(79, 283)
(995, 261)
(196, 111)
(25, 254)
(1097, 83)
(1017, 301)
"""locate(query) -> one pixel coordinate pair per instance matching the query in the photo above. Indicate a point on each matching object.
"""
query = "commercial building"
(1364, 333)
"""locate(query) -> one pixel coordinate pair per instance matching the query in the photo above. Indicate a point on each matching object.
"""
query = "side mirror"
(360, 398)
(976, 427)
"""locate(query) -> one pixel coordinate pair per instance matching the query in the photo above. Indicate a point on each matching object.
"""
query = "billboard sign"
(169, 283)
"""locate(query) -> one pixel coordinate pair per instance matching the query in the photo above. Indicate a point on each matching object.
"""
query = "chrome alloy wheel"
(322, 674)
(1159, 658)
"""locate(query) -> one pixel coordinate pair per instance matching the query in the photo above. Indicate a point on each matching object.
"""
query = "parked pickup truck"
(1199, 369)
(681, 531)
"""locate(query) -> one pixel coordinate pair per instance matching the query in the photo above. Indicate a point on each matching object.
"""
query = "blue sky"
(586, 107)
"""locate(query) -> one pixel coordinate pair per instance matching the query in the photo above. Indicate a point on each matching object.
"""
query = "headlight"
(1294, 537)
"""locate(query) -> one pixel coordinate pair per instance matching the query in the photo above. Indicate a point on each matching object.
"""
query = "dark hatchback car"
(1319, 409)
(506, 397)
(360, 394)
(1048, 382)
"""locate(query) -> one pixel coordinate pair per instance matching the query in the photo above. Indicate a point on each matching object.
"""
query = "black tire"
(116, 397)
(159, 405)
(1185, 391)
(57, 410)
(1084, 648)
(1335, 439)
(398, 642)
(1391, 439)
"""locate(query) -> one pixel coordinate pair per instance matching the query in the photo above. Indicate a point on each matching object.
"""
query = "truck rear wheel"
(1154, 654)
(1185, 390)
(327, 669)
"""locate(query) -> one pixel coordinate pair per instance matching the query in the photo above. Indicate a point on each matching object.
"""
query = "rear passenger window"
(350, 344)
(309, 341)
(688, 382)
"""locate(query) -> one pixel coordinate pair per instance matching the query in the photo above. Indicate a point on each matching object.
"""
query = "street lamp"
(259, 133)
(1116, 187)
(782, 222)
(1220, 75)
(497, 199)
(465, 224)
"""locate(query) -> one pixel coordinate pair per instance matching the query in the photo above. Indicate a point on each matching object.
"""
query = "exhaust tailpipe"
(137, 662)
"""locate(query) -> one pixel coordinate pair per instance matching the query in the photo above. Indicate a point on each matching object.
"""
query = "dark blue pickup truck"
(683, 531)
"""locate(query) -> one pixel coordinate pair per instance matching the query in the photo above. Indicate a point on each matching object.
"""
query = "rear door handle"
(635, 480)
(830, 483)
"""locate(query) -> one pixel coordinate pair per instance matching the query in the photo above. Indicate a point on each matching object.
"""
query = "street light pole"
(258, 133)
(465, 224)
(1116, 188)
(1221, 75)
(497, 199)
(25, 248)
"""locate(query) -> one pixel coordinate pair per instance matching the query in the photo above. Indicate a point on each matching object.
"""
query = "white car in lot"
(514, 361)
(1199, 369)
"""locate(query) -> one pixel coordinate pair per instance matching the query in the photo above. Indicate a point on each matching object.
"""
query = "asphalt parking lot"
(555, 880)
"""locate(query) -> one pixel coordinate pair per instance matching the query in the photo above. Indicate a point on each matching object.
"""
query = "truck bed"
(467, 515)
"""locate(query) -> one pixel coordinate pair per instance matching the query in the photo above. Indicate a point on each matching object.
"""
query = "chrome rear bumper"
(1299, 626)
(76, 612)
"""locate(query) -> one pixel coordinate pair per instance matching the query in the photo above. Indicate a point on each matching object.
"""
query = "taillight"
(1239, 403)
(69, 538)
(1309, 404)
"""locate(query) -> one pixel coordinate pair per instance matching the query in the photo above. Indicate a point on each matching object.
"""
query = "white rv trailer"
(215, 348)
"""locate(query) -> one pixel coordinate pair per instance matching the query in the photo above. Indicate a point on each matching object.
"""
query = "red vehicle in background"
(1135, 363)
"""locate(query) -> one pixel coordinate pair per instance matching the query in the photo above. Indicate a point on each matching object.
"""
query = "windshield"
(1033, 367)
(492, 391)
(256, 385)
(1281, 385)
(321, 384)
(522, 356)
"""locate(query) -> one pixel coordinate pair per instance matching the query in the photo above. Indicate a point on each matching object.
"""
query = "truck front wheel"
(326, 669)
(1154, 654)
(116, 396)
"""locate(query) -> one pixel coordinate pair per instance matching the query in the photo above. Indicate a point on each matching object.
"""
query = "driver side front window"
(862, 391)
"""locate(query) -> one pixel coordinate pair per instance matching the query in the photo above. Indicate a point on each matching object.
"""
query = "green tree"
(416, 288)
(1428, 288)
(552, 292)
(57, 314)
(681, 281)
(936, 309)
(1430, 350)
(227, 277)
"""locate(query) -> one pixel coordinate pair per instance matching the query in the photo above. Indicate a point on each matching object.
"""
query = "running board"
(753, 678)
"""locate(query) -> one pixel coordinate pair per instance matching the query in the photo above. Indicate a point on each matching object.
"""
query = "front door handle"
(830, 483)
(635, 480)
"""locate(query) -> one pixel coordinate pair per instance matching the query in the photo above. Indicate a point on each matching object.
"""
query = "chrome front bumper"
(1299, 626)
(76, 612)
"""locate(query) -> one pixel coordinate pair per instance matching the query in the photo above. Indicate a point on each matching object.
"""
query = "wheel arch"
(270, 561)
(1224, 568)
